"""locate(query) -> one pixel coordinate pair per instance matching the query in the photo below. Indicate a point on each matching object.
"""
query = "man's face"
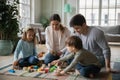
(78, 29)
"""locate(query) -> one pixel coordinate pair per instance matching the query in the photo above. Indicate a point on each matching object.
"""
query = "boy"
(84, 61)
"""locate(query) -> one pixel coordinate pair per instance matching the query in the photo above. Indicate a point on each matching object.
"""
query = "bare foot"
(77, 72)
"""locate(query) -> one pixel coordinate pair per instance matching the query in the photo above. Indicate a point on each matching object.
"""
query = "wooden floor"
(115, 59)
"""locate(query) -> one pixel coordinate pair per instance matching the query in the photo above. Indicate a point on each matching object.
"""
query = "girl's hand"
(15, 63)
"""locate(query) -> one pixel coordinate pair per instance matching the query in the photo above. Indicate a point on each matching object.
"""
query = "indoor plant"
(9, 25)
(44, 21)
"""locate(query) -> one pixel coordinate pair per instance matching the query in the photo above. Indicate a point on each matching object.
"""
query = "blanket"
(50, 75)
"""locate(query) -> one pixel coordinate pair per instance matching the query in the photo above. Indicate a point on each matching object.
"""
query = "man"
(93, 39)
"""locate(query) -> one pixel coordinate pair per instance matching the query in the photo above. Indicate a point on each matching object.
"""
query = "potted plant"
(9, 25)
(44, 21)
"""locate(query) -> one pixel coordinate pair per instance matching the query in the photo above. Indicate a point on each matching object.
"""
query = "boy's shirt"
(83, 57)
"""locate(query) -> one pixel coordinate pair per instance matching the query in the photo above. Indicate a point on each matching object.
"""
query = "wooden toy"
(25, 68)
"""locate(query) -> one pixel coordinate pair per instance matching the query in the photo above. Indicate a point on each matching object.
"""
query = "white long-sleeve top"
(51, 42)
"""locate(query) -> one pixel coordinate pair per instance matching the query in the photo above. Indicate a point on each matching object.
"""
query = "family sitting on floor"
(86, 50)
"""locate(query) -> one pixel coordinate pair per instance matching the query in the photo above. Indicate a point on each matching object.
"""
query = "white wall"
(73, 4)
(48, 7)
(35, 11)
(51, 6)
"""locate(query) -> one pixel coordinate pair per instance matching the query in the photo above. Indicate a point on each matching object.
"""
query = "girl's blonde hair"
(25, 31)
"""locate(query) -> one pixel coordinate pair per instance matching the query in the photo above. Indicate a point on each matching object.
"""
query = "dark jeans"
(28, 61)
(87, 70)
(49, 58)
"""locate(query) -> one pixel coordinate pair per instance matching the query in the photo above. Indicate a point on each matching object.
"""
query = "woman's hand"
(41, 54)
(53, 53)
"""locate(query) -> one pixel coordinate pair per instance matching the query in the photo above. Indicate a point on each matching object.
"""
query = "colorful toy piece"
(46, 70)
(52, 68)
(35, 67)
(11, 71)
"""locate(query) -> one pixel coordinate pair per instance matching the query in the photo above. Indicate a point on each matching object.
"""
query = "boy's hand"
(60, 73)
(54, 62)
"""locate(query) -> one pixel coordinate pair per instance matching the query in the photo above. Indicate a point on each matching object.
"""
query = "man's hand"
(108, 69)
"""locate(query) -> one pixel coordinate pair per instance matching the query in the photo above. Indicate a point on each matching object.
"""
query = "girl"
(85, 62)
(56, 35)
(25, 53)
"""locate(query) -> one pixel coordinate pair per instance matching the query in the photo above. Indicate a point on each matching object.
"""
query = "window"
(24, 13)
(100, 12)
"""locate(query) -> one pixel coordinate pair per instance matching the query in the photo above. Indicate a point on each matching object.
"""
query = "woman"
(56, 35)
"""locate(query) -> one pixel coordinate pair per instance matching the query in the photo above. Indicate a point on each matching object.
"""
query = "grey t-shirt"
(96, 43)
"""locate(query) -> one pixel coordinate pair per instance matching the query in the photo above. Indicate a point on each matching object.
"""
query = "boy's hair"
(74, 41)
(25, 31)
(77, 20)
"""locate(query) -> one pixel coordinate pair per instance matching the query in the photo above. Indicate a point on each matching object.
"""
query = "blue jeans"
(49, 58)
(87, 70)
(28, 61)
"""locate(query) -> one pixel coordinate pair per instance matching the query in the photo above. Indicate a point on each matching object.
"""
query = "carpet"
(48, 76)
(6, 65)
(116, 66)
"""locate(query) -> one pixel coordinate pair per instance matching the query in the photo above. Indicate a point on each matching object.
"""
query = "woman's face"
(55, 24)
(30, 35)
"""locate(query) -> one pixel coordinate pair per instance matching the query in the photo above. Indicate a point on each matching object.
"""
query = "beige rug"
(6, 64)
